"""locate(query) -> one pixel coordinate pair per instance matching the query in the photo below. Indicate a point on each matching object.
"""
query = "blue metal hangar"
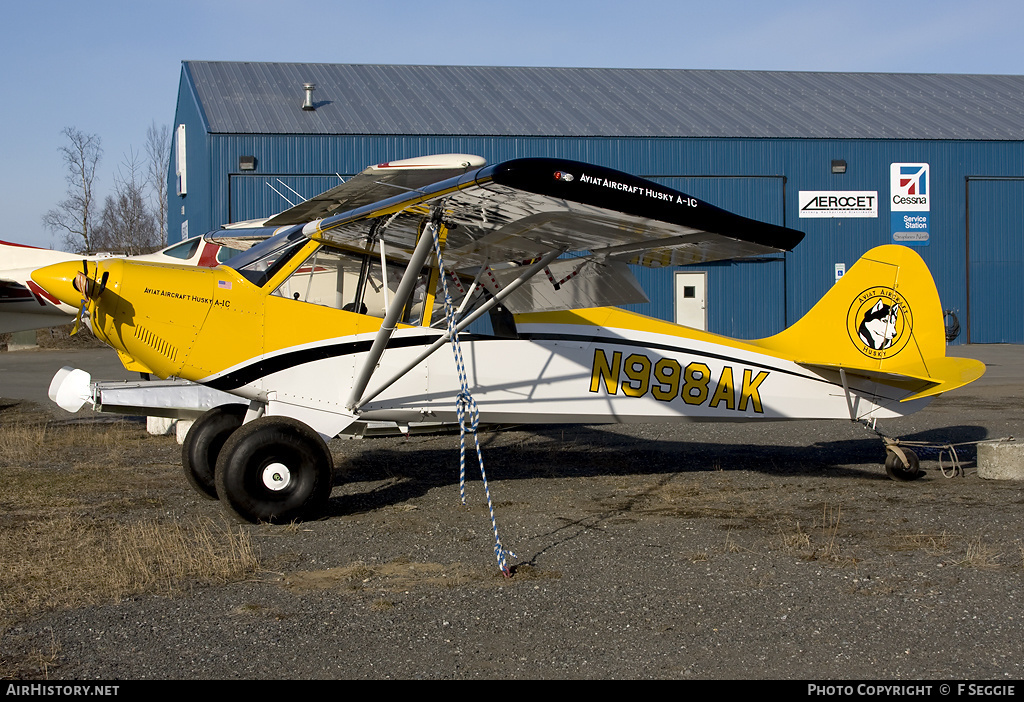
(852, 159)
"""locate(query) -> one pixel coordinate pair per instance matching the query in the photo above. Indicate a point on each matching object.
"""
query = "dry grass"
(77, 525)
(830, 516)
(821, 542)
(795, 539)
(932, 544)
(33, 442)
(20, 442)
(59, 338)
(980, 555)
(699, 556)
(69, 562)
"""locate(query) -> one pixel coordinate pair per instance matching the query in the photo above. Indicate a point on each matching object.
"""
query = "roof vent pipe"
(308, 103)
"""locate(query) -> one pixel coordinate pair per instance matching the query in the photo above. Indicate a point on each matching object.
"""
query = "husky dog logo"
(879, 322)
(879, 326)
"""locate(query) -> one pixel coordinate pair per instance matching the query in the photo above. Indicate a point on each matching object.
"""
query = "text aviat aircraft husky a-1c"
(335, 319)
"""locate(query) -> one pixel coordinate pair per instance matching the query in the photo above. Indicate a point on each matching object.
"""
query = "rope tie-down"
(465, 404)
(906, 450)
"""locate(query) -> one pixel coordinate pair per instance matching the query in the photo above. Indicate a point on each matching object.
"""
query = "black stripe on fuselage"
(267, 366)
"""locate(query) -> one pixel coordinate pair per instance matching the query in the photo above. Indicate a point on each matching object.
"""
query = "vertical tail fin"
(883, 319)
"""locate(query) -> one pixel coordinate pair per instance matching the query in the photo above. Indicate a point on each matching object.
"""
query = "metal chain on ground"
(464, 402)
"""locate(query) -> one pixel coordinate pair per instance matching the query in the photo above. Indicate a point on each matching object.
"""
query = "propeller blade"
(78, 319)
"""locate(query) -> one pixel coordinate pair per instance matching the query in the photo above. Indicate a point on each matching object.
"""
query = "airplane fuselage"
(587, 366)
(566, 371)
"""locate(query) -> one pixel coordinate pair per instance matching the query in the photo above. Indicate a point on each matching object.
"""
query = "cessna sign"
(839, 203)
(910, 194)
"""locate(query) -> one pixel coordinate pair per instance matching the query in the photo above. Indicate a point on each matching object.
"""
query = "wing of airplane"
(378, 183)
(23, 304)
(525, 209)
(520, 210)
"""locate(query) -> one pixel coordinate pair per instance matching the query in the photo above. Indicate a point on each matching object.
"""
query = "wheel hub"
(276, 476)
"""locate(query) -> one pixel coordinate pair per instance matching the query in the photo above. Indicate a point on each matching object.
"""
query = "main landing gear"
(203, 444)
(273, 469)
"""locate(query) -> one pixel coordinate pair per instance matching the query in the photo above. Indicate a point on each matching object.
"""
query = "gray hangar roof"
(266, 98)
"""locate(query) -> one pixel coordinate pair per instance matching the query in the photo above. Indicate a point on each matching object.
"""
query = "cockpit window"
(185, 250)
(348, 281)
(226, 253)
(353, 281)
(259, 263)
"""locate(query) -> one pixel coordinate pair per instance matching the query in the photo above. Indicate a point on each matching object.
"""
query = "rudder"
(883, 317)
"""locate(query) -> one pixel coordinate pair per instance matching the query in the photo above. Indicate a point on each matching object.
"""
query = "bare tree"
(158, 154)
(127, 226)
(74, 215)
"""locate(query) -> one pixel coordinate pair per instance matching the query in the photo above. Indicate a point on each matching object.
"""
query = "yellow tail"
(883, 319)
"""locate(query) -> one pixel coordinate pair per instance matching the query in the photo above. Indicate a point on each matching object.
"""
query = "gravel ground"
(777, 551)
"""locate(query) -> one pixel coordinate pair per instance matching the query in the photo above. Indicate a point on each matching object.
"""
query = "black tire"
(203, 444)
(274, 469)
(897, 470)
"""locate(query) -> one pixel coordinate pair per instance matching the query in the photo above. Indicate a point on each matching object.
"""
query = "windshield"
(259, 263)
(185, 250)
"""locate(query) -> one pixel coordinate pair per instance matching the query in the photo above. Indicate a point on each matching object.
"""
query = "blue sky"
(111, 68)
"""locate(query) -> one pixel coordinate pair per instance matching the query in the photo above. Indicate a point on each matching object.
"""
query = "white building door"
(691, 299)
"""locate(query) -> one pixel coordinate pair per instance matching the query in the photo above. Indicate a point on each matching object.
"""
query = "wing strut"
(394, 313)
(355, 403)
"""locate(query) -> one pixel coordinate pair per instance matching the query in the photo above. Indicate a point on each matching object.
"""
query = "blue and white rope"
(464, 402)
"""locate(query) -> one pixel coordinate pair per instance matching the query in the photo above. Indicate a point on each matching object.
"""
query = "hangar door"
(995, 260)
(745, 298)
(256, 196)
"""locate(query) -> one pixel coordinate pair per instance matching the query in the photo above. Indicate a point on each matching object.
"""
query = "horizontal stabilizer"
(946, 374)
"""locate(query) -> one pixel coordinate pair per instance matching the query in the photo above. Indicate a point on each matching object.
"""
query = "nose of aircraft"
(59, 279)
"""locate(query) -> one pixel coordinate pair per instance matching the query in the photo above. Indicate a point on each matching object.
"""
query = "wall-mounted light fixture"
(838, 166)
(247, 163)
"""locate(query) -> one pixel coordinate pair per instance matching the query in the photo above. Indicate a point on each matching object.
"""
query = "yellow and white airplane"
(335, 320)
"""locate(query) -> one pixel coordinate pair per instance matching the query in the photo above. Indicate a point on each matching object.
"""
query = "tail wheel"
(274, 469)
(203, 444)
(898, 469)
